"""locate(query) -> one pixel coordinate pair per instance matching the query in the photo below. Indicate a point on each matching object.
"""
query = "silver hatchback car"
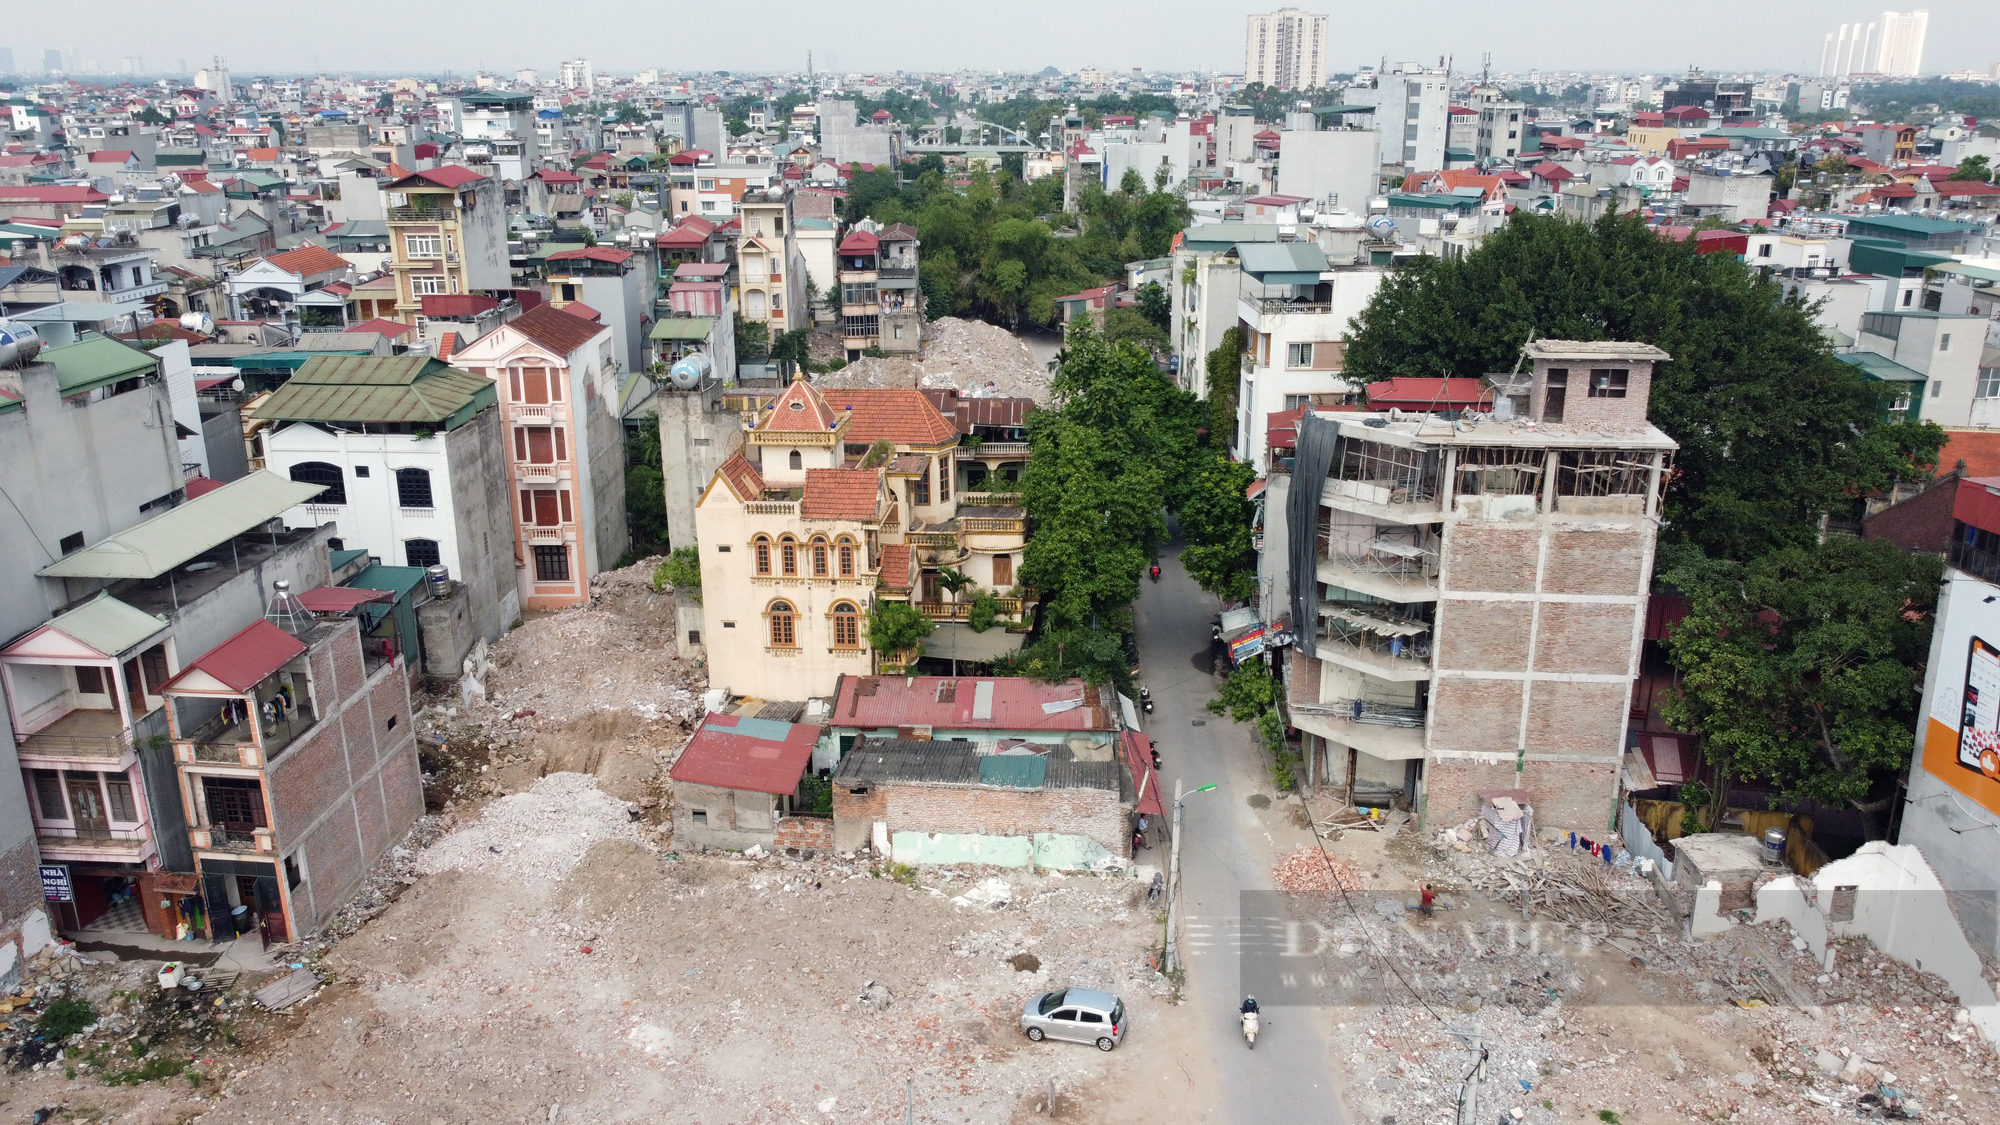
(1080, 1015)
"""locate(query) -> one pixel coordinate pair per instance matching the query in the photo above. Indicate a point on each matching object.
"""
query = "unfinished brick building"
(297, 759)
(1471, 591)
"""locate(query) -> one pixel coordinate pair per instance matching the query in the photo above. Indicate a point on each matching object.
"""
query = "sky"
(396, 36)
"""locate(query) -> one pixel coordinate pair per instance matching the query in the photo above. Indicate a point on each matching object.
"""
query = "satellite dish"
(688, 373)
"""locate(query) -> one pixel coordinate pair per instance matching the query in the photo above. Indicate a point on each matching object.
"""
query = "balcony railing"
(106, 747)
(537, 472)
(772, 507)
(989, 499)
(1983, 565)
(991, 526)
(555, 533)
(423, 214)
(933, 539)
(234, 753)
(962, 610)
(886, 270)
(990, 449)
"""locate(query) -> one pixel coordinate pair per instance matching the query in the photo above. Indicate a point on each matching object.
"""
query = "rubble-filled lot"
(604, 978)
(979, 359)
(1595, 1004)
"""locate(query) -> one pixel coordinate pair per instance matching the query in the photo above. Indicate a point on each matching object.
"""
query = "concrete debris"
(538, 836)
(978, 359)
(987, 894)
(1309, 871)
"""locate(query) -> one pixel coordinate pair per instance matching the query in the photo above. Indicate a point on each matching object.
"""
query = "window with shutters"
(420, 552)
(944, 479)
(536, 382)
(541, 445)
(333, 486)
(784, 625)
(788, 557)
(49, 795)
(552, 563)
(846, 552)
(118, 798)
(413, 488)
(762, 549)
(846, 625)
(820, 559)
(546, 512)
(89, 680)
(154, 663)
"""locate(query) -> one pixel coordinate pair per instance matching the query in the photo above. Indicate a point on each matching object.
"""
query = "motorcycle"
(1155, 572)
(1145, 699)
(1250, 1029)
(1156, 761)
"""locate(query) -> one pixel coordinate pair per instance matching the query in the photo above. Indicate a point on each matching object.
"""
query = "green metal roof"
(368, 388)
(1283, 263)
(1441, 201)
(1909, 224)
(338, 559)
(1330, 110)
(498, 98)
(1222, 236)
(1015, 771)
(96, 361)
(108, 625)
(179, 157)
(271, 361)
(682, 328)
(1968, 269)
(179, 534)
(1883, 368)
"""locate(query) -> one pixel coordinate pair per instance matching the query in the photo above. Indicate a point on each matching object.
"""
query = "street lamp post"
(1171, 958)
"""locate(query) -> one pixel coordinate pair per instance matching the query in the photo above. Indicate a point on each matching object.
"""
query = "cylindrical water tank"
(439, 577)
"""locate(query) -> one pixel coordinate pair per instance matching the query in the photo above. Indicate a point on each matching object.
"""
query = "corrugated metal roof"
(885, 761)
(106, 625)
(682, 328)
(246, 658)
(1282, 257)
(179, 534)
(342, 388)
(96, 361)
(1883, 368)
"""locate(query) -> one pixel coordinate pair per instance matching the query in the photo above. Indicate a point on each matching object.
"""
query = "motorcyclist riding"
(1249, 1006)
(1248, 1014)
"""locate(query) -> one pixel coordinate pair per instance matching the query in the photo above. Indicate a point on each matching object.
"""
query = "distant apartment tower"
(6, 60)
(52, 60)
(576, 75)
(1286, 49)
(1901, 48)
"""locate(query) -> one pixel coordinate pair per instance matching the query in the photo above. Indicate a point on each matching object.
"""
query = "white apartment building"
(576, 75)
(1295, 309)
(1285, 49)
(1901, 50)
(1413, 111)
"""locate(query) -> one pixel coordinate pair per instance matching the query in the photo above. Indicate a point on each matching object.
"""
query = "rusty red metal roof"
(249, 656)
(342, 599)
(967, 703)
(735, 752)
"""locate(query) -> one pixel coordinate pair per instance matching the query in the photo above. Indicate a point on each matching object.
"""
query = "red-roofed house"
(736, 786)
(1550, 176)
(282, 288)
(48, 202)
(296, 753)
(557, 381)
(1427, 395)
(814, 522)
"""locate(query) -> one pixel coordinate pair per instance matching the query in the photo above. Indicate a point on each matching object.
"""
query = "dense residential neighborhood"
(587, 592)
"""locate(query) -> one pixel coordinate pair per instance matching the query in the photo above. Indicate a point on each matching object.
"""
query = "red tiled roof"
(110, 156)
(457, 304)
(558, 176)
(249, 656)
(1417, 392)
(381, 326)
(308, 260)
(801, 408)
(342, 599)
(1016, 704)
(840, 494)
(198, 486)
(449, 175)
(860, 242)
(742, 477)
(734, 752)
(1552, 172)
(592, 253)
(555, 329)
(1967, 187)
(687, 234)
(583, 312)
(894, 571)
(899, 414)
(268, 154)
(1979, 449)
(447, 344)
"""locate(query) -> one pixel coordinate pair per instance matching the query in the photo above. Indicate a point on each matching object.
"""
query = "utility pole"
(1172, 956)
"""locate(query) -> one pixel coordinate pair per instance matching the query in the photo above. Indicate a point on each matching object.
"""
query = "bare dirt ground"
(979, 359)
(1624, 1017)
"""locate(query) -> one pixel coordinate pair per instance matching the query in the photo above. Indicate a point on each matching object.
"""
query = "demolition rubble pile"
(977, 359)
(1597, 1004)
(539, 835)
(1311, 871)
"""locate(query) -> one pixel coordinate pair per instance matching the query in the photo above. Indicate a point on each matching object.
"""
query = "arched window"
(788, 557)
(819, 557)
(846, 625)
(328, 477)
(796, 461)
(420, 552)
(784, 626)
(846, 557)
(413, 488)
(762, 546)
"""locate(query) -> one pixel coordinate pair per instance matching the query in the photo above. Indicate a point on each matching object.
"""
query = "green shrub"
(65, 1018)
(985, 607)
(682, 571)
(162, 1066)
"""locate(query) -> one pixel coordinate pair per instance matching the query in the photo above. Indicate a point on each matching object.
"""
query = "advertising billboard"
(1961, 745)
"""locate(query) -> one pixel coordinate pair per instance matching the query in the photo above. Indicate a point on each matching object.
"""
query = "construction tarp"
(180, 534)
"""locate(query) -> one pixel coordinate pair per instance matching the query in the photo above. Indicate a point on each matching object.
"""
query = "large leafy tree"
(1773, 428)
(1802, 668)
(1214, 517)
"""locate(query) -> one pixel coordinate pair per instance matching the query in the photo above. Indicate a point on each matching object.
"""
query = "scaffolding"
(1603, 472)
(1409, 475)
(1400, 554)
(1500, 471)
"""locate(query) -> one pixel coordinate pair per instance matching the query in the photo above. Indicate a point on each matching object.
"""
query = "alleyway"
(1227, 848)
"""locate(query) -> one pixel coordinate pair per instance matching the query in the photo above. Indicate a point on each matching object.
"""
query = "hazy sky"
(626, 35)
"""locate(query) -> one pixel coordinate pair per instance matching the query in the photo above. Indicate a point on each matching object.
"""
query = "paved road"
(1226, 848)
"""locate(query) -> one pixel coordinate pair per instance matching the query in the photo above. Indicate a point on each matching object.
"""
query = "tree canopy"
(1803, 668)
(1774, 429)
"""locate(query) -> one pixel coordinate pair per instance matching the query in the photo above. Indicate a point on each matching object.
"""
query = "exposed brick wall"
(1452, 785)
(371, 817)
(360, 743)
(1096, 813)
(1921, 523)
(326, 692)
(402, 788)
(1576, 796)
(308, 777)
(20, 881)
(347, 666)
(1484, 636)
(1577, 717)
(1587, 638)
(1596, 562)
(805, 832)
(1491, 558)
(386, 700)
(334, 864)
(854, 816)
(1483, 715)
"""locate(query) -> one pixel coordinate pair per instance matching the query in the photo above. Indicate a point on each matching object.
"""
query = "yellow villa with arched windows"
(802, 530)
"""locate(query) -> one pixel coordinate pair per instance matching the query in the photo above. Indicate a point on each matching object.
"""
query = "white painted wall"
(371, 519)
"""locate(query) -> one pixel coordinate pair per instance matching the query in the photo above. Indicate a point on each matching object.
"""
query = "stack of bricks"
(813, 833)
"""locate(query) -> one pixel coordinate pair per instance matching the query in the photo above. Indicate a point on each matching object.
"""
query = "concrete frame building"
(448, 232)
(1470, 600)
